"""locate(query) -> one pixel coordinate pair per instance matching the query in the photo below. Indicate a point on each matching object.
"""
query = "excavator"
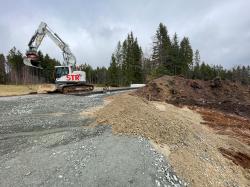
(67, 78)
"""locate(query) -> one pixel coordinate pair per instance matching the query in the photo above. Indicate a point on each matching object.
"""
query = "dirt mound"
(224, 106)
(223, 95)
(45, 88)
(237, 157)
(139, 119)
(192, 148)
(227, 124)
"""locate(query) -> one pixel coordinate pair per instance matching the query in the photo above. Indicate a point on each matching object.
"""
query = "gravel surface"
(44, 141)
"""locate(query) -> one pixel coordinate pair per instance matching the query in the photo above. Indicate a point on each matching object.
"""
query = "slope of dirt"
(224, 106)
(222, 95)
(227, 124)
(193, 149)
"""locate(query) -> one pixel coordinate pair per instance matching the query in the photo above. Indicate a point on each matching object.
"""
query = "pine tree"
(175, 54)
(161, 56)
(197, 58)
(186, 55)
(156, 50)
(196, 68)
(119, 61)
(15, 60)
(131, 60)
(48, 64)
(113, 71)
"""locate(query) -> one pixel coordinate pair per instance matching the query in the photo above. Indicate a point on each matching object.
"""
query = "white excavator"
(67, 77)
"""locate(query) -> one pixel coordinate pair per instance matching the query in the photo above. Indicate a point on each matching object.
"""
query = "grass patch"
(10, 90)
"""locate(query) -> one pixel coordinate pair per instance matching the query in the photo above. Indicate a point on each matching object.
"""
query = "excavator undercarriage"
(75, 88)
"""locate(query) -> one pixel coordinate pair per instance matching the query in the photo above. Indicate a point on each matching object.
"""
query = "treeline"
(126, 65)
(13, 70)
(169, 57)
(201, 70)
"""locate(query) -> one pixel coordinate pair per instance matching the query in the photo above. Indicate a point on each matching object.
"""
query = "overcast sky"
(220, 29)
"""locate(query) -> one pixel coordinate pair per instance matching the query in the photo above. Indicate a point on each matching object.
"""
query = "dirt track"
(45, 140)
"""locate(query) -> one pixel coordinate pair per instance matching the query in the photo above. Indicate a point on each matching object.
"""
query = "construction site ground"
(173, 131)
(205, 134)
(53, 140)
(16, 90)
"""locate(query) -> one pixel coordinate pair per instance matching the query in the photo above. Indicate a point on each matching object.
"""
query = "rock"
(28, 173)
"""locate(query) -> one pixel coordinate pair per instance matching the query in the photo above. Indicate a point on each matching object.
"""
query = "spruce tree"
(196, 68)
(131, 58)
(186, 55)
(175, 55)
(161, 56)
(113, 71)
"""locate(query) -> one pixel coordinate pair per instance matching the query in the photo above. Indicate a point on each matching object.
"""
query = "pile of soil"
(134, 115)
(219, 94)
(227, 124)
(195, 152)
(236, 129)
(224, 106)
(46, 88)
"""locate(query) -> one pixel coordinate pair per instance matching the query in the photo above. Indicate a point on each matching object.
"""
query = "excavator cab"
(61, 71)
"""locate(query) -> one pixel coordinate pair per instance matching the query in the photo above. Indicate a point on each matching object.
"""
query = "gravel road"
(44, 141)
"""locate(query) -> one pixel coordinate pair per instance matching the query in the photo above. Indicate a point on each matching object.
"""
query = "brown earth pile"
(194, 151)
(46, 88)
(236, 129)
(222, 95)
(227, 124)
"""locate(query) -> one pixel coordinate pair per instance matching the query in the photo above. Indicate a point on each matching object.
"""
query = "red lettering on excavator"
(73, 77)
(77, 77)
(68, 78)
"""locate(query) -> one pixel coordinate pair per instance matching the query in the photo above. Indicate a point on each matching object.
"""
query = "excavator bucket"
(28, 62)
(31, 59)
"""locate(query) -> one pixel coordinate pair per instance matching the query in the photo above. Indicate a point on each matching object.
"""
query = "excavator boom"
(36, 40)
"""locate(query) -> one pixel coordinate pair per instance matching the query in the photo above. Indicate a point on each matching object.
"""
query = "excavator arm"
(31, 58)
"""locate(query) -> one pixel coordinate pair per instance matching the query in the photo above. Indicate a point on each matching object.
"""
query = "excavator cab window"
(61, 71)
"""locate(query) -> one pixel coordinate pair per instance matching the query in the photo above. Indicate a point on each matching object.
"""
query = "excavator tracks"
(76, 88)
